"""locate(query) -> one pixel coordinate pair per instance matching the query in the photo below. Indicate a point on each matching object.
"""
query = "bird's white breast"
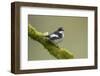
(62, 32)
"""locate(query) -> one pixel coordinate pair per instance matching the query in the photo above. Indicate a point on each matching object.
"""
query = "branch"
(53, 49)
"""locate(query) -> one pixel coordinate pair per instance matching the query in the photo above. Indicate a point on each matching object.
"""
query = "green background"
(75, 31)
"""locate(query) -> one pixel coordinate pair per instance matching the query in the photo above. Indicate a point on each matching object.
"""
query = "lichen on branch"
(53, 49)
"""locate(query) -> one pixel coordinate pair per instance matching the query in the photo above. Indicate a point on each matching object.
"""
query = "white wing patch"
(53, 35)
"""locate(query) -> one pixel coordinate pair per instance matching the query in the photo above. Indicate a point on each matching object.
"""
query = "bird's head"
(60, 29)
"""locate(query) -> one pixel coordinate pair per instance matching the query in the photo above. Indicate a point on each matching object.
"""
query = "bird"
(57, 36)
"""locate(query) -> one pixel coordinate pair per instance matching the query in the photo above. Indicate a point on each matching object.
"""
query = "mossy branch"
(53, 49)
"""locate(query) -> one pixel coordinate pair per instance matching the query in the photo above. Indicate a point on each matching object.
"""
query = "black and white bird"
(56, 36)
